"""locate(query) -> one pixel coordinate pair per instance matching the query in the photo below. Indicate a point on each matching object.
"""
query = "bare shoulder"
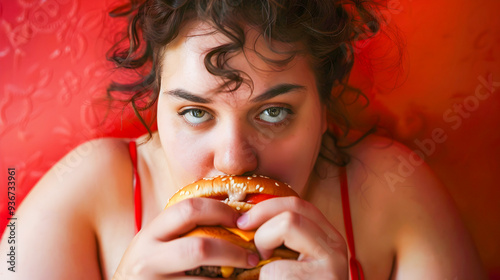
(62, 211)
(86, 173)
(396, 188)
(390, 161)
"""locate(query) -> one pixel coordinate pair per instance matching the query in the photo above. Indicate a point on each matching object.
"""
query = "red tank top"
(354, 265)
(132, 147)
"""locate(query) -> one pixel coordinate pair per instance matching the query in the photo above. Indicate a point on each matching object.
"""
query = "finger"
(288, 269)
(300, 270)
(191, 278)
(267, 209)
(188, 253)
(187, 214)
(184, 277)
(298, 233)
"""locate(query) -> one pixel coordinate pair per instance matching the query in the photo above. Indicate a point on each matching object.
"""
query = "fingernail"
(242, 220)
(253, 259)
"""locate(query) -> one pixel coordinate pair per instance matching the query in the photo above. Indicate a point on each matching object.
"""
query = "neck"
(156, 175)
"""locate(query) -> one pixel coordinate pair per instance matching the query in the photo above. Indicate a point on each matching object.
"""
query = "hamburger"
(241, 193)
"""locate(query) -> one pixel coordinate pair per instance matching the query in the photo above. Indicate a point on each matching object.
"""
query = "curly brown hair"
(327, 30)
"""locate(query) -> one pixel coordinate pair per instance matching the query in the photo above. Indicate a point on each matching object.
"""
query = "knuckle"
(295, 202)
(140, 268)
(189, 208)
(307, 207)
(302, 205)
(290, 219)
(198, 249)
(330, 249)
(337, 244)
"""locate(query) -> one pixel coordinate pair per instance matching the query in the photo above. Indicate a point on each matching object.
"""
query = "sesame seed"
(261, 189)
(277, 185)
(257, 187)
(238, 208)
(224, 179)
(249, 178)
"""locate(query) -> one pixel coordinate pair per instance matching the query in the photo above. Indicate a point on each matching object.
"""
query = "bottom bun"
(235, 273)
(249, 274)
(215, 272)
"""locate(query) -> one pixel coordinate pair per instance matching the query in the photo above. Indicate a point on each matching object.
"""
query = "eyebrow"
(277, 90)
(183, 94)
(270, 93)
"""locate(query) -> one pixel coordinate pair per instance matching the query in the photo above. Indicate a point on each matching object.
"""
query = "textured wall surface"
(446, 105)
(442, 100)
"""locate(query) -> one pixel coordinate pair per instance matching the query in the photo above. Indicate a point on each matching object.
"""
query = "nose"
(234, 153)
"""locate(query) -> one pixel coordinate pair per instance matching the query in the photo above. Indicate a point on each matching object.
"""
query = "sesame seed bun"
(234, 191)
(232, 188)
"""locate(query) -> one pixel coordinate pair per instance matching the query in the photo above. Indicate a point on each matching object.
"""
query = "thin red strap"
(137, 186)
(354, 265)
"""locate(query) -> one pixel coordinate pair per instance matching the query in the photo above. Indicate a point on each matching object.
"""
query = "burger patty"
(211, 271)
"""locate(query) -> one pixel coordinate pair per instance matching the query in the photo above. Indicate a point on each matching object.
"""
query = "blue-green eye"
(196, 116)
(274, 114)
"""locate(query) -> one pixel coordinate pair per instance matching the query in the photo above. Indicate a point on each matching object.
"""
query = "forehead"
(197, 38)
(183, 65)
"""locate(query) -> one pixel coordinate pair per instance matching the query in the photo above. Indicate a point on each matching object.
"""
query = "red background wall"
(53, 72)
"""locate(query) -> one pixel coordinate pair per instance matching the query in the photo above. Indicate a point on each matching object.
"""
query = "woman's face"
(274, 130)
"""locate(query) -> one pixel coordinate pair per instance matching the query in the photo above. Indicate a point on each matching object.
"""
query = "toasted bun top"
(232, 189)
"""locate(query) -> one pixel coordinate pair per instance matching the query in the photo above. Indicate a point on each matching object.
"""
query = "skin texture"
(83, 216)
(235, 140)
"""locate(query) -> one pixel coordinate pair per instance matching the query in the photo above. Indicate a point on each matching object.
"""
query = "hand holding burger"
(241, 193)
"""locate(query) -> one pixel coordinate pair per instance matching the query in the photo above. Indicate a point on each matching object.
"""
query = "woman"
(241, 87)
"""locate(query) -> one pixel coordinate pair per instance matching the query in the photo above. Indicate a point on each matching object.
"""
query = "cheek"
(293, 157)
(187, 156)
